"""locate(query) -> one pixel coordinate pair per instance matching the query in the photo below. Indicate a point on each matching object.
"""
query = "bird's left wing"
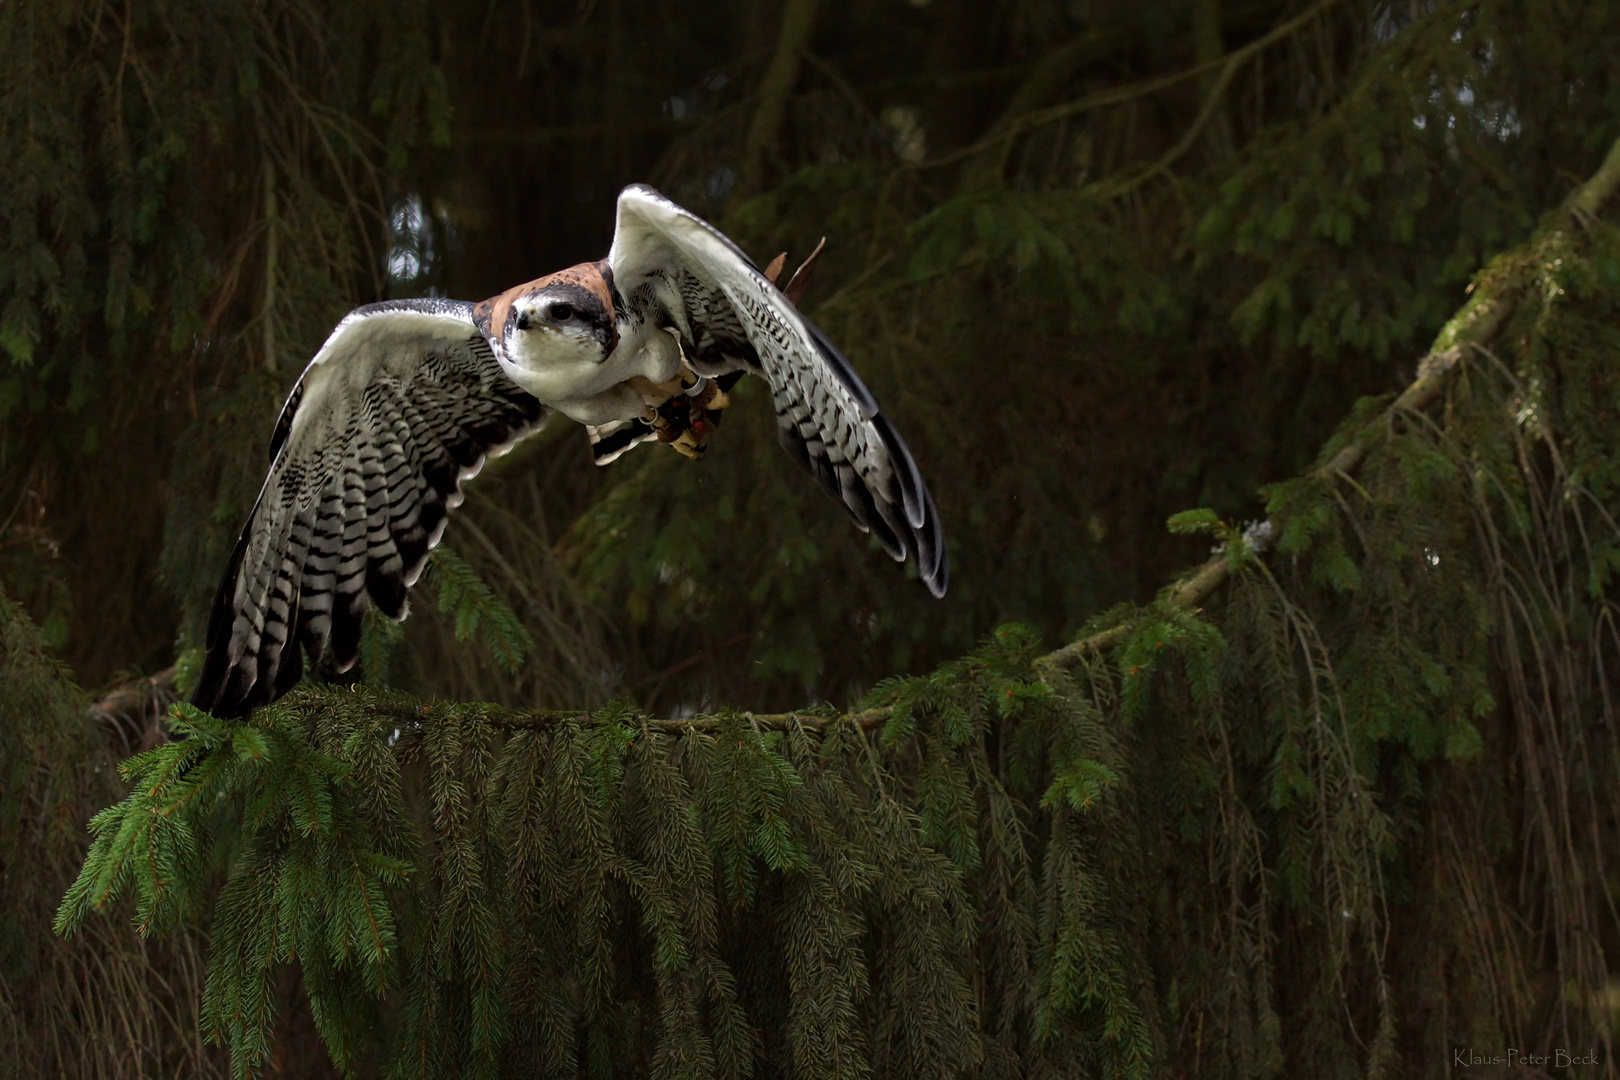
(669, 263)
(402, 403)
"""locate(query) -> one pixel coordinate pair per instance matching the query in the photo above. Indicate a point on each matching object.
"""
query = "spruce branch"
(476, 609)
(1495, 294)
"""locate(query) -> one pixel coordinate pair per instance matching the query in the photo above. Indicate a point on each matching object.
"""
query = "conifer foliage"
(1339, 800)
(1216, 840)
(610, 894)
(107, 1002)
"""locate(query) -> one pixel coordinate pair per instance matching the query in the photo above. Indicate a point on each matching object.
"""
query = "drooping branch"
(1043, 81)
(1495, 293)
(1494, 296)
(1227, 65)
(521, 719)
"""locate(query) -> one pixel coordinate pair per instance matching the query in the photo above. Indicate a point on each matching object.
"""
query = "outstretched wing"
(401, 404)
(674, 267)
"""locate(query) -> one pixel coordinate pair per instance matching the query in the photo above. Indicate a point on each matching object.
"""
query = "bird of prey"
(407, 398)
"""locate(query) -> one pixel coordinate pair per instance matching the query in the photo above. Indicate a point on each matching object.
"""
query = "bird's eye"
(523, 320)
(562, 312)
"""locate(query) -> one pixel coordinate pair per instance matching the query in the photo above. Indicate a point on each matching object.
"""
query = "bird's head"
(553, 333)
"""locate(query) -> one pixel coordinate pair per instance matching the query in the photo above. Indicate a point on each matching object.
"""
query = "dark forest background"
(1102, 262)
(1077, 344)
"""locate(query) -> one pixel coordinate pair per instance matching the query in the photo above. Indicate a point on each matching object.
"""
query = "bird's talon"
(687, 444)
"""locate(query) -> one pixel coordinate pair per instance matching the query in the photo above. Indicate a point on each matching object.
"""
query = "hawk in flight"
(408, 397)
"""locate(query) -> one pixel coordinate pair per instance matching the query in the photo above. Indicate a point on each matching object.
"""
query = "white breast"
(599, 394)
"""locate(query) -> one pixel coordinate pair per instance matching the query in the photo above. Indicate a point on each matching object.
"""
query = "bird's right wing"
(402, 403)
(669, 263)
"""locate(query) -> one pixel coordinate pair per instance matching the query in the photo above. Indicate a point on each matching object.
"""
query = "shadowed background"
(1100, 261)
(1089, 321)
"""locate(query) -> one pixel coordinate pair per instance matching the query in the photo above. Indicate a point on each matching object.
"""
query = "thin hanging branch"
(1494, 296)
(1043, 81)
(1228, 65)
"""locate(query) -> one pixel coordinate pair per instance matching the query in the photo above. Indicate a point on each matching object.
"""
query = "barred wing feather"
(403, 403)
(668, 263)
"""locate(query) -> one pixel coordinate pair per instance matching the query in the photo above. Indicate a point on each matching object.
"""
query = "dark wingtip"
(940, 579)
(913, 490)
(210, 694)
(933, 562)
(918, 509)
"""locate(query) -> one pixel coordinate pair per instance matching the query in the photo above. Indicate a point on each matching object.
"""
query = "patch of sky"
(410, 252)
